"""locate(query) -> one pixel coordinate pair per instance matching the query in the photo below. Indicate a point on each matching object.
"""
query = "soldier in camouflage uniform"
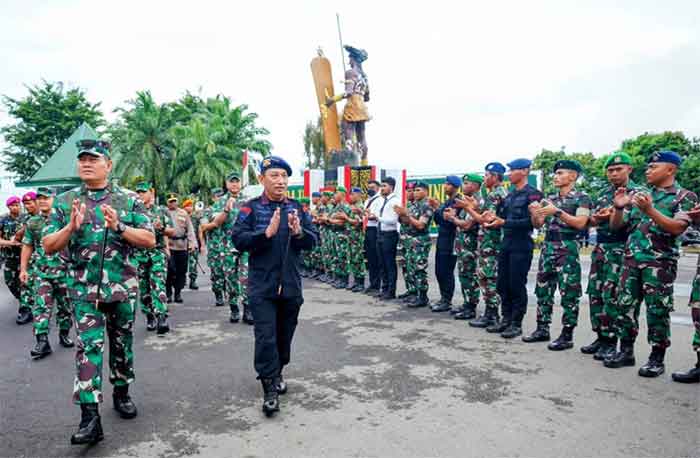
(315, 255)
(196, 218)
(563, 216)
(306, 266)
(692, 375)
(402, 248)
(417, 219)
(28, 288)
(340, 219)
(656, 220)
(11, 233)
(100, 223)
(606, 259)
(214, 240)
(465, 248)
(327, 237)
(51, 275)
(356, 239)
(489, 241)
(152, 263)
(234, 262)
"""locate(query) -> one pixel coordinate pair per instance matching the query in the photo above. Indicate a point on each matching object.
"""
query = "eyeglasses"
(90, 144)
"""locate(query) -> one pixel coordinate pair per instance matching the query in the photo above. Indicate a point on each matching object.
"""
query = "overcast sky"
(453, 84)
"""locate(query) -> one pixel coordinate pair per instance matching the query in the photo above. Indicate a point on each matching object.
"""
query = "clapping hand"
(294, 223)
(642, 201)
(77, 214)
(111, 216)
(274, 224)
(621, 198)
(694, 213)
(603, 214)
(546, 210)
(401, 211)
(433, 203)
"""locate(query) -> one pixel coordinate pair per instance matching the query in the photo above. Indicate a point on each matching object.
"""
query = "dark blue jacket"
(515, 211)
(273, 265)
(446, 229)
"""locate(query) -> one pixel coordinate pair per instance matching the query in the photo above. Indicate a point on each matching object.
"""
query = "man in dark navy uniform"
(515, 256)
(274, 229)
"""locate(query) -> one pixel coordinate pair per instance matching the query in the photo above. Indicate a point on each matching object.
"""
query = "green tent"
(61, 168)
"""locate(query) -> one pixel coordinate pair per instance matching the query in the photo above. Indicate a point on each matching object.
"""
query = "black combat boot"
(565, 340)
(514, 330)
(347, 284)
(150, 322)
(456, 310)
(467, 313)
(359, 285)
(593, 347)
(443, 305)
(490, 317)
(655, 365)
(421, 300)
(624, 357)
(64, 340)
(235, 316)
(280, 384)
(541, 334)
(178, 297)
(271, 401)
(193, 285)
(162, 324)
(90, 428)
(692, 375)
(24, 316)
(42, 347)
(219, 300)
(123, 403)
(607, 348)
(247, 314)
(343, 282)
(499, 326)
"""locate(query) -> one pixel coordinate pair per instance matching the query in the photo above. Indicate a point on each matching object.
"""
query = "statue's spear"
(340, 38)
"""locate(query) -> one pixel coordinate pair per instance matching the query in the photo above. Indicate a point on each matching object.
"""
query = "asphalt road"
(368, 378)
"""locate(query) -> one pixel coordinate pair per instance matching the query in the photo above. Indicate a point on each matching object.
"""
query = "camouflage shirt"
(342, 207)
(492, 201)
(119, 279)
(405, 227)
(48, 265)
(647, 241)
(9, 227)
(575, 203)
(226, 229)
(155, 213)
(214, 237)
(605, 200)
(420, 209)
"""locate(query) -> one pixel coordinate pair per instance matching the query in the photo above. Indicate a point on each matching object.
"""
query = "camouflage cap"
(218, 192)
(45, 191)
(618, 158)
(97, 148)
(233, 176)
(143, 186)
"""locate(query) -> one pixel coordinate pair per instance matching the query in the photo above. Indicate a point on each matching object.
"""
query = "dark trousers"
(445, 262)
(386, 247)
(513, 266)
(371, 254)
(275, 323)
(177, 272)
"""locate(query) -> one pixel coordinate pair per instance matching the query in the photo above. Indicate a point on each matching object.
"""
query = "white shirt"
(370, 205)
(383, 208)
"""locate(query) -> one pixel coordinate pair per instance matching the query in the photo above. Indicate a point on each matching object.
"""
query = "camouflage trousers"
(417, 262)
(402, 249)
(237, 279)
(51, 294)
(653, 284)
(487, 276)
(341, 252)
(328, 251)
(559, 266)
(192, 266)
(466, 271)
(11, 272)
(118, 319)
(695, 308)
(215, 261)
(603, 281)
(356, 254)
(152, 273)
(316, 256)
(28, 290)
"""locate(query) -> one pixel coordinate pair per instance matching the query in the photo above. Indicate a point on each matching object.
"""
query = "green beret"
(473, 177)
(568, 164)
(618, 158)
(304, 200)
(143, 186)
(341, 189)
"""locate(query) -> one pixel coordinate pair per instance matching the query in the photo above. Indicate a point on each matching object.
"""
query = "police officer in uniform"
(515, 256)
(274, 229)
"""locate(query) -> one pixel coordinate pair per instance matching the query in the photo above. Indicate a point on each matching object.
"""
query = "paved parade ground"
(368, 378)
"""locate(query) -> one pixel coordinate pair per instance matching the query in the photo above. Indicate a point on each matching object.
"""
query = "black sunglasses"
(89, 144)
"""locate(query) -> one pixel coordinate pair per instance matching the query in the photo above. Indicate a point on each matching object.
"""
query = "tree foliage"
(314, 145)
(44, 119)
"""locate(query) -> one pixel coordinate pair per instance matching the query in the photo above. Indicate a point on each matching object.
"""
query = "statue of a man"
(355, 113)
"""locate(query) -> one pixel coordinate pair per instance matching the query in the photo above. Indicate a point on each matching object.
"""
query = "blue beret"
(666, 156)
(356, 190)
(521, 163)
(315, 194)
(495, 167)
(275, 162)
(453, 180)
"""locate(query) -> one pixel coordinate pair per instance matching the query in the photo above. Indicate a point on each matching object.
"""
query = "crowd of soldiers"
(485, 232)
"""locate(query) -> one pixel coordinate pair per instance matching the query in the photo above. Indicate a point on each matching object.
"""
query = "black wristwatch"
(557, 213)
(121, 227)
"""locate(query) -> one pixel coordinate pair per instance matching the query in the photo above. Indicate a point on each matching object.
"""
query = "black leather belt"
(559, 237)
(615, 237)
